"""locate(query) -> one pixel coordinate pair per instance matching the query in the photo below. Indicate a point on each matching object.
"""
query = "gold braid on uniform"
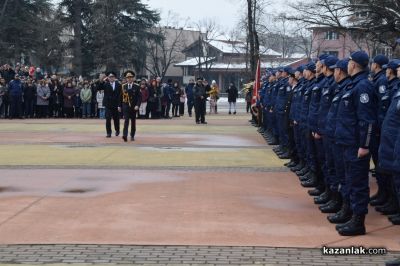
(125, 95)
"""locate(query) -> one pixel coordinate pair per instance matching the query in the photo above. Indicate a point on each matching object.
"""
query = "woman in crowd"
(3, 96)
(151, 102)
(214, 97)
(100, 106)
(78, 102)
(145, 96)
(86, 99)
(42, 99)
(29, 98)
(182, 102)
(232, 97)
(69, 95)
(176, 98)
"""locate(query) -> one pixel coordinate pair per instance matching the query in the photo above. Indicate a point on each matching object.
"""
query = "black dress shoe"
(108, 136)
(132, 138)
(354, 227)
(284, 156)
(117, 133)
(125, 138)
(204, 123)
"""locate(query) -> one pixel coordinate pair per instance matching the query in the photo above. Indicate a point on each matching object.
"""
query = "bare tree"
(165, 44)
(209, 31)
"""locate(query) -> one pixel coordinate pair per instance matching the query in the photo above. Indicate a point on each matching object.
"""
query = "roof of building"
(194, 61)
(242, 66)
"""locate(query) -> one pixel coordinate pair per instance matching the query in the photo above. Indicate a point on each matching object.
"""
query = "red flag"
(257, 83)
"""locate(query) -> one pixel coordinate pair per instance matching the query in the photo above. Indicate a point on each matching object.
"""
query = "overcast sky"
(225, 12)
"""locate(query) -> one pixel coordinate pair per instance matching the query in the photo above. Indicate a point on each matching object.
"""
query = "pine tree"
(75, 14)
(120, 29)
(21, 28)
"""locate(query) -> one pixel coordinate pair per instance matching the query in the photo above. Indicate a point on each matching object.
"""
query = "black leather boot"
(380, 198)
(324, 197)
(343, 215)
(334, 205)
(354, 227)
(303, 171)
(316, 191)
(391, 207)
(395, 219)
(298, 167)
(311, 182)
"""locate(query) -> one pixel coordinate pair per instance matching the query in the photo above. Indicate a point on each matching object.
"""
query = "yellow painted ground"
(53, 155)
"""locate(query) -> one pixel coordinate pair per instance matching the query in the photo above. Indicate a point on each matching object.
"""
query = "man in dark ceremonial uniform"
(130, 102)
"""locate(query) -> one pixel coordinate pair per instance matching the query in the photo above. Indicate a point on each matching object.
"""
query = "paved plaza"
(181, 194)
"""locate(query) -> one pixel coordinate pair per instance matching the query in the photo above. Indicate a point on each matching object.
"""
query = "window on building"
(331, 35)
(335, 53)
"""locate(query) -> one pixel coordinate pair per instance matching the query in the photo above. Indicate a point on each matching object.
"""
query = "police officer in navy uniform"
(280, 113)
(267, 105)
(129, 104)
(337, 183)
(328, 91)
(315, 146)
(389, 133)
(356, 121)
(391, 122)
(272, 111)
(380, 83)
(306, 171)
(296, 99)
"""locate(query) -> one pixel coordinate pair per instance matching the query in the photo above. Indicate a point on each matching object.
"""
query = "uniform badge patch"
(364, 98)
(382, 89)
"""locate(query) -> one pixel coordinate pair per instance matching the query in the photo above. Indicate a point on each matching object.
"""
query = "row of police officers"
(330, 117)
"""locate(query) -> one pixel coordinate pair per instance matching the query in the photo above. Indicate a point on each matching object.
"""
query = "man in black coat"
(111, 101)
(130, 102)
(200, 96)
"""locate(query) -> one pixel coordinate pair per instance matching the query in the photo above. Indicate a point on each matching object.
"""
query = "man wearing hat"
(328, 91)
(315, 146)
(111, 101)
(380, 84)
(267, 107)
(337, 182)
(389, 204)
(298, 91)
(290, 108)
(130, 103)
(389, 159)
(303, 173)
(356, 122)
(280, 110)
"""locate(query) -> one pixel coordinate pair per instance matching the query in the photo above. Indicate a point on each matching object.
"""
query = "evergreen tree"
(120, 29)
(21, 28)
(75, 15)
